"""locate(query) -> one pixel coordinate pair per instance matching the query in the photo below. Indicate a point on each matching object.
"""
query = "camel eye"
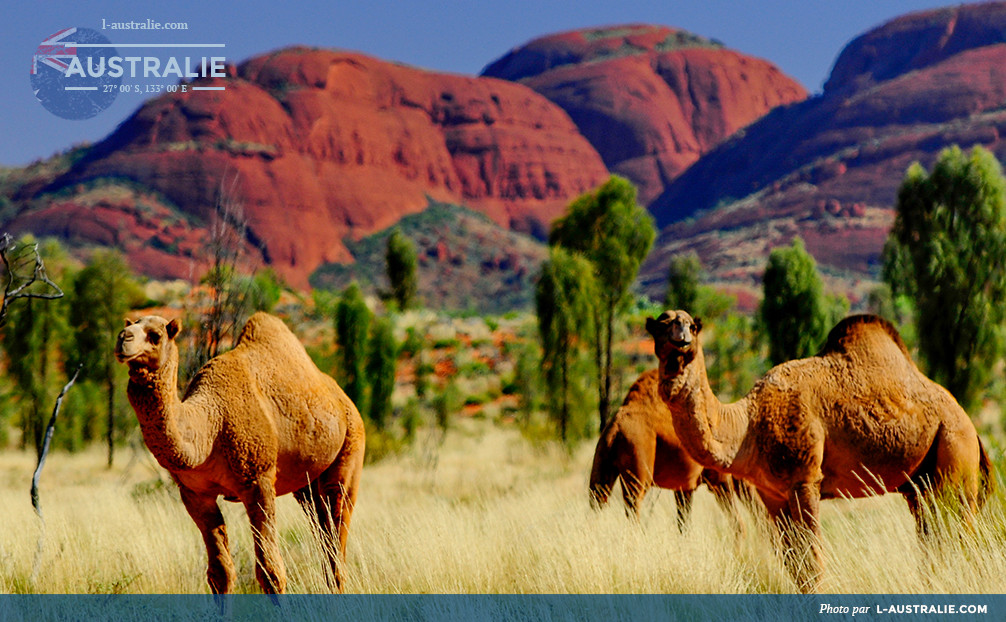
(153, 337)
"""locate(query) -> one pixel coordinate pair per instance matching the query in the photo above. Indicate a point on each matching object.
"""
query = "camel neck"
(711, 431)
(177, 436)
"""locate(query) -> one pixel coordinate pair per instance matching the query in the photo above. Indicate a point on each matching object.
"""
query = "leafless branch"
(19, 277)
(47, 439)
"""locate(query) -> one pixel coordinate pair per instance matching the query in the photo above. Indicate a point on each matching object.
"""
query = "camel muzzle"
(681, 344)
(120, 341)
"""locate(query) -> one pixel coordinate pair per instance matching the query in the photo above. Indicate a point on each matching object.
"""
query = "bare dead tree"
(23, 269)
(222, 315)
(49, 430)
(24, 276)
(227, 234)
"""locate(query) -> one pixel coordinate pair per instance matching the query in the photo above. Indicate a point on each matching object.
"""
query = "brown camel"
(256, 422)
(639, 447)
(858, 419)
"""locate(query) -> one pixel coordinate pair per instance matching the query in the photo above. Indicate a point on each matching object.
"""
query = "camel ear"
(653, 326)
(696, 325)
(173, 328)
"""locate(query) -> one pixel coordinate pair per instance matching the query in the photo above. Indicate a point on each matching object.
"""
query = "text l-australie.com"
(147, 24)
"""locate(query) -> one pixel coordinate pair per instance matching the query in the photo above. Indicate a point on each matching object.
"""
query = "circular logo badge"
(71, 73)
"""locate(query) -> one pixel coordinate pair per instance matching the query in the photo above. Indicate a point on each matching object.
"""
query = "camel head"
(674, 333)
(147, 343)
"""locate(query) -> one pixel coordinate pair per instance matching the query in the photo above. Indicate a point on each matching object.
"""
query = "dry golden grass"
(483, 513)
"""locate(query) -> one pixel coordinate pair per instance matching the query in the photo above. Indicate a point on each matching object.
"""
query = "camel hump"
(858, 331)
(263, 327)
(644, 386)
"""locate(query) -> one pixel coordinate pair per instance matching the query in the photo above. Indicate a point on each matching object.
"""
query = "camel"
(857, 419)
(257, 422)
(639, 447)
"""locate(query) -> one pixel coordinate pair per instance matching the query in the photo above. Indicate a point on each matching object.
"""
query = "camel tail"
(602, 474)
(987, 485)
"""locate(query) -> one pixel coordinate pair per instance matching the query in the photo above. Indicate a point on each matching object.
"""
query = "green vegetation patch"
(682, 39)
(465, 261)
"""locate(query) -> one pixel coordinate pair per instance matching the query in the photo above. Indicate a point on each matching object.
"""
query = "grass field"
(483, 512)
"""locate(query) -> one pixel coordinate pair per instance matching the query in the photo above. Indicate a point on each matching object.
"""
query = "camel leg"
(918, 499)
(683, 499)
(636, 473)
(950, 473)
(602, 476)
(206, 514)
(957, 476)
(333, 497)
(797, 533)
(634, 488)
(802, 535)
(722, 488)
(314, 506)
(261, 508)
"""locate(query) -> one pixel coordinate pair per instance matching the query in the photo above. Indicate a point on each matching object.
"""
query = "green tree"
(102, 293)
(794, 311)
(565, 291)
(947, 252)
(614, 233)
(401, 267)
(380, 370)
(683, 279)
(352, 325)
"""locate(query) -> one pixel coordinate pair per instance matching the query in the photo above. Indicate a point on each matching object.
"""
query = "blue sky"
(802, 37)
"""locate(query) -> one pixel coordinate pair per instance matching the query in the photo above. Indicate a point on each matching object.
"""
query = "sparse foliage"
(447, 402)
(24, 274)
(947, 253)
(231, 295)
(226, 245)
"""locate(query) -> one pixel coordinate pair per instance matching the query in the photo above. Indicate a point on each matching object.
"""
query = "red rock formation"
(328, 144)
(651, 99)
(828, 169)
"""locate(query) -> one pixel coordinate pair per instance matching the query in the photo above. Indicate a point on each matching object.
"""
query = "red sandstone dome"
(828, 169)
(651, 99)
(324, 145)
